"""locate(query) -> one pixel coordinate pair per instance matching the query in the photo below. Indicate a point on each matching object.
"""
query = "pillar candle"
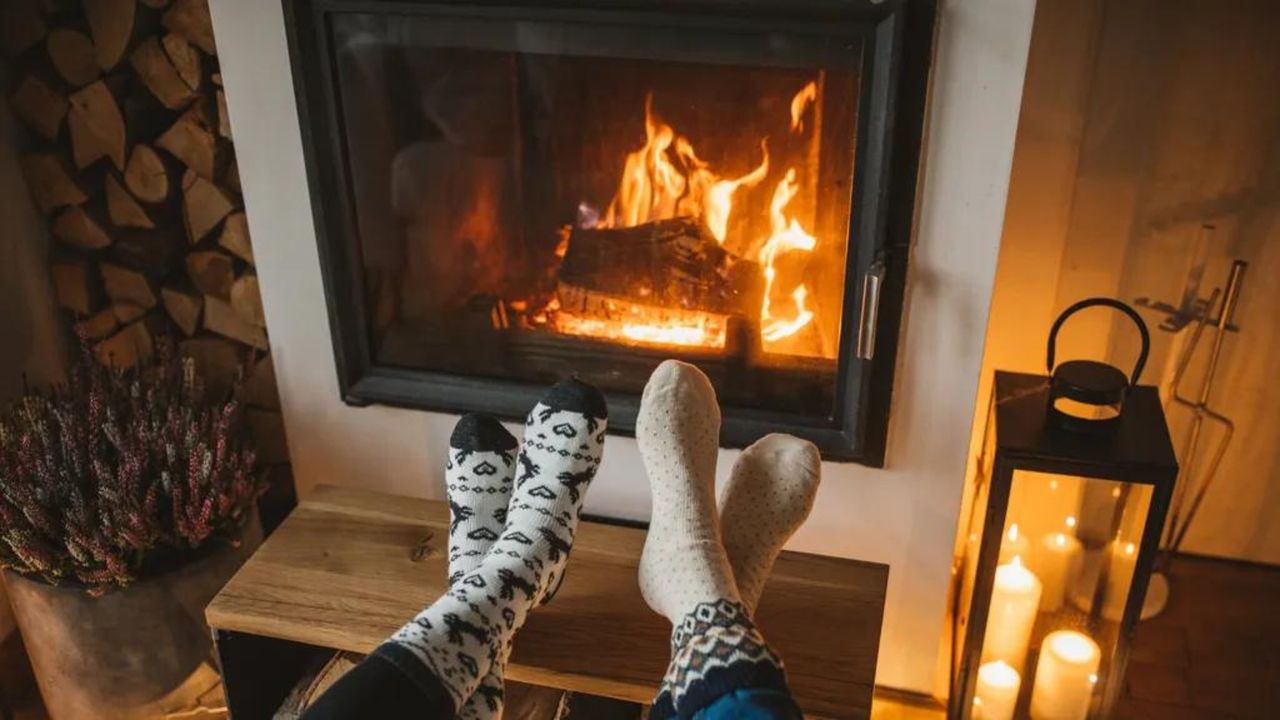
(1122, 563)
(1015, 598)
(1057, 564)
(1015, 545)
(997, 692)
(1065, 676)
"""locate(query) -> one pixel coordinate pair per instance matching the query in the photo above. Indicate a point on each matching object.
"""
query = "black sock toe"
(481, 433)
(577, 396)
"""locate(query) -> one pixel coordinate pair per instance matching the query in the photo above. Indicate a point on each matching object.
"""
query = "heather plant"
(115, 475)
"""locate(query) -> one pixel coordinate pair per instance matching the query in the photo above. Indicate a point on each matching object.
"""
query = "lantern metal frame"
(1137, 451)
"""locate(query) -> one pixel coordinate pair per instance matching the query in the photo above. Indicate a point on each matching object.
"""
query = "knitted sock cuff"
(716, 649)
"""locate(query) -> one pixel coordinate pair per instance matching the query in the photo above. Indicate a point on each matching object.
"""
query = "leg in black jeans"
(377, 689)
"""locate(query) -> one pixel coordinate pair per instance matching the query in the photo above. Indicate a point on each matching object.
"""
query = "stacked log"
(129, 156)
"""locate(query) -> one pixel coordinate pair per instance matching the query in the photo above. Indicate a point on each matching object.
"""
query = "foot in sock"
(478, 479)
(770, 492)
(684, 571)
(453, 643)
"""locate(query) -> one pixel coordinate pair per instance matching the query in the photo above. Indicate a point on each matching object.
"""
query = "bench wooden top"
(340, 573)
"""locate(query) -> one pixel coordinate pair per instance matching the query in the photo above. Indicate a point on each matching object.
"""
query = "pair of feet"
(515, 508)
(704, 566)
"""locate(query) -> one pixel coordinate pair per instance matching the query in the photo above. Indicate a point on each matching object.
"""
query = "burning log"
(672, 263)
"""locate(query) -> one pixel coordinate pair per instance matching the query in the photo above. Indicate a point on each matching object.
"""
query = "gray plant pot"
(127, 654)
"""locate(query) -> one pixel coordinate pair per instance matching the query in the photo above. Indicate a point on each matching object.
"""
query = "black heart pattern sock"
(454, 642)
(478, 479)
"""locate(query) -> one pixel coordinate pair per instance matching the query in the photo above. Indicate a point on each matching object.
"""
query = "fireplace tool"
(1197, 402)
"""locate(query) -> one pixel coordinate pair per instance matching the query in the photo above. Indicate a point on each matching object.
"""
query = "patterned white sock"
(453, 643)
(684, 572)
(478, 475)
(769, 495)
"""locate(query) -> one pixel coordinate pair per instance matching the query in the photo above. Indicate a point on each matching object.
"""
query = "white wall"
(1141, 121)
(904, 515)
(29, 343)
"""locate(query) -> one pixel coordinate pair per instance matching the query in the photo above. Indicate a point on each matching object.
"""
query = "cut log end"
(192, 143)
(74, 227)
(123, 209)
(127, 286)
(204, 206)
(220, 318)
(235, 237)
(184, 308)
(146, 175)
(39, 106)
(97, 127)
(212, 273)
(50, 183)
(111, 23)
(73, 56)
(157, 71)
(246, 300)
(191, 20)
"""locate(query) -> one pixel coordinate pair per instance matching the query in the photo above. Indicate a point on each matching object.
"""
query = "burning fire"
(666, 179)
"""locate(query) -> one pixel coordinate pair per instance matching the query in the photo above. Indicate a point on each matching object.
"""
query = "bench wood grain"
(339, 573)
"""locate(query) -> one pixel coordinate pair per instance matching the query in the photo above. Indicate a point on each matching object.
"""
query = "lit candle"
(997, 693)
(1122, 563)
(1014, 545)
(1057, 564)
(1065, 676)
(1015, 598)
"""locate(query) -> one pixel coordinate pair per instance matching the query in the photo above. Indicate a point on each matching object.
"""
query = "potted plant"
(126, 502)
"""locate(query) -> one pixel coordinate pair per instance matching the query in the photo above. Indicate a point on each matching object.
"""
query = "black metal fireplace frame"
(896, 37)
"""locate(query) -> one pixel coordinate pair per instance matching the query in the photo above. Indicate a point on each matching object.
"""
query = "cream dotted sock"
(769, 495)
(684, 572)
(678, 431)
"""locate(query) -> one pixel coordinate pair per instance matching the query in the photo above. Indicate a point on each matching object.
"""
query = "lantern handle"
(1111, 303)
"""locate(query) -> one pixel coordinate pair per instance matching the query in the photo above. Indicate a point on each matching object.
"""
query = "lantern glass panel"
(1068, 551)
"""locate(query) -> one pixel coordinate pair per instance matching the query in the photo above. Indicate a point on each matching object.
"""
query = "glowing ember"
(633, 324)
(665, 179)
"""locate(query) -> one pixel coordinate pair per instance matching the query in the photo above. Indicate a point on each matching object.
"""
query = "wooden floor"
(1214, 652)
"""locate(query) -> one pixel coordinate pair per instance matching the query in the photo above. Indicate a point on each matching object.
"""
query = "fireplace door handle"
(869, 315)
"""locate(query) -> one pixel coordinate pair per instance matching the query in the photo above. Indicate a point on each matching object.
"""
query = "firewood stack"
(130, 157)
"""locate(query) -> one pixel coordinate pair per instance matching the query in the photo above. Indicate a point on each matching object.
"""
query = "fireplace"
(506, 195)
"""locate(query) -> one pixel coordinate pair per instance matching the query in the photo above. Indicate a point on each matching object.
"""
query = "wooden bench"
(349, 567)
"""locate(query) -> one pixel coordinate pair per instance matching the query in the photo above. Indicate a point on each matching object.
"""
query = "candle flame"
(1060, 539)
(999, 673)
(1093, 678)
(1072, 646)
(1016, 561)
(1071, 521)
(1013, 531)
(1130, 549)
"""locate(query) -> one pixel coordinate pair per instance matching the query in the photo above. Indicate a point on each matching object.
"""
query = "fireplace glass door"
(525, 196)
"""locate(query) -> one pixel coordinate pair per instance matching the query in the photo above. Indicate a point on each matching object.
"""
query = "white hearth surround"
(903, 515)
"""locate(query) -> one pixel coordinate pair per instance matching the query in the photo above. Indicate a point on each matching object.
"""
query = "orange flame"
(801, 102)
(665, 179)
(787, 236)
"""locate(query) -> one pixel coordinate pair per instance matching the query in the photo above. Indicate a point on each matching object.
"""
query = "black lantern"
(1072, 490)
